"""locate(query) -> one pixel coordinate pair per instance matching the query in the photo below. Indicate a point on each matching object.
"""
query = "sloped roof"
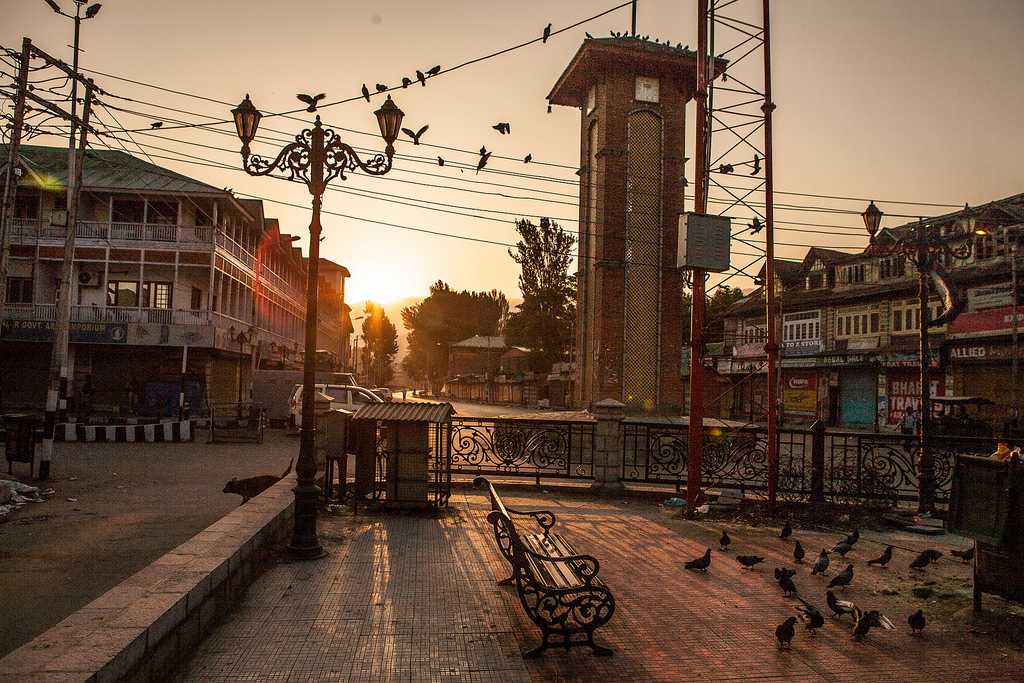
(406, 411)
(481, 342)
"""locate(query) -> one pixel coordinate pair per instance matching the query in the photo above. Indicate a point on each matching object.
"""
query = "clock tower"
(632, 97)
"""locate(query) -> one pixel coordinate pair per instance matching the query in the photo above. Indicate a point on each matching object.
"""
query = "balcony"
(36, 228)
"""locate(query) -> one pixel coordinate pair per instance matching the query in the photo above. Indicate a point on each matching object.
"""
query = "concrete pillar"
(608, 454)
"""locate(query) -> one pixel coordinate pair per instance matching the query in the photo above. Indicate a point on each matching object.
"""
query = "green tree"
(544, 321)
(714, 312)
(444, 317)
(381, 338)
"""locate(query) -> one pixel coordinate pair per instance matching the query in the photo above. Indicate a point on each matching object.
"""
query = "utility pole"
(11, 178)
(772, 313)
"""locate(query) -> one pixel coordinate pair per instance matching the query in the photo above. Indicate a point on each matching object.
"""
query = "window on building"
(853, 274)
(60, 201)
(162, 212)
(156, 295)
(196, 302)
(874, 323)
(891, 267)
(122, 293)
(19, 290)
(128, 210)
(26, 204)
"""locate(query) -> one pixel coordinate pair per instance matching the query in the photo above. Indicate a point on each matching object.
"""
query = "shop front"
(900, 385)
(984, 368)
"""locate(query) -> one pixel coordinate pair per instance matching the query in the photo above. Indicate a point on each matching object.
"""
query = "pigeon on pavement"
(798, 552)
(821, 565)
(700, 564)
(786, 532)
(965, 555)
(749, 561)
(838, 607)
(785, 631)
(843, 578)
(917, 622)
(811, 616)
(724, 541)
(884, 558)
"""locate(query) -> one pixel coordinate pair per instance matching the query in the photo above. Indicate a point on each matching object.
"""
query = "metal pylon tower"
(734, 177)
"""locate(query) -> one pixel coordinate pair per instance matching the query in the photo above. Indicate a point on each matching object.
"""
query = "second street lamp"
(317, 157)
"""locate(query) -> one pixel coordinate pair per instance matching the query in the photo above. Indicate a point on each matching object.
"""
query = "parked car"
(343, 396)
(385, 393)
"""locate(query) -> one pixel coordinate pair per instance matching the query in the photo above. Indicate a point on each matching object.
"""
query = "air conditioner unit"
(88, 279)
(58, 218)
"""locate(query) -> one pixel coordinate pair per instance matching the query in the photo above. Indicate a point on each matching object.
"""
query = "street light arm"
(294, 159)
(340, 157)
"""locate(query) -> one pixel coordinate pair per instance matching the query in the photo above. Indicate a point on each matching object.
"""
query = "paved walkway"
(408, 598)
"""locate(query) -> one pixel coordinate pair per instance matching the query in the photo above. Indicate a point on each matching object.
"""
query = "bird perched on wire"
(757, 165)
(724, 541)
(842, 548)
(925, 558)
(917, 622)
(434, 70)
(787, 586)
(503, 128)
(811, 616)
(484, 156)
(749, 561)
(421, 78)
(547, 34)
(965, 555)
(381, 87)
(157, 124)
(821, 565)
(843, 578)
(785, 631)
(882, 559)
(798, 553)
(700, 564)
(784, 571)
(755, 226)
(366, 93)
(528, 158)
(725, 168)
(440, 161)
(865, 621)
(786, 532)
(311, 100)
(416, 136)
(839, 607)
(406, 81)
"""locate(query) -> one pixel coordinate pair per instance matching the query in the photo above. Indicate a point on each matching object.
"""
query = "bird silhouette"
(725, 168)
(843, 578)
(381, 87)
(865, 621)
(311, 100)
(852, 538)
(482, 161)
(440, 161)
(839, 607)
(549, 108)
(842, 548)
(700, 564)
(406, 81)
(483, 150)
(503, 128)
(811, 616)
(757, 165)
(786, 532)
(925, 558)
(798, 552)
(821, 565)
(434, 70)
(366, 93)
(755, 226)
(917, 622)
(724, 541)
(92, 10)
(882, 559)
(965, 555)
(156, 124)
(547, 34)
(785, 631)
(749, 561)
(787, 586)
(415, 136)
(528, 158)
(421, 78)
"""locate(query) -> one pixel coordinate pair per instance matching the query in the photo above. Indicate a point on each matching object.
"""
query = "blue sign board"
(80, 333)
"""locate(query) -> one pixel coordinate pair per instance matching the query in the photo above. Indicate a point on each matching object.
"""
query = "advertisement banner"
(800, 395)
(904, 392)
(994, 320)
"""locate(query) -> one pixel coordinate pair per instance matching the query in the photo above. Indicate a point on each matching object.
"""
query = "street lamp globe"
(872, 218)
(247, 121)
(389, 118)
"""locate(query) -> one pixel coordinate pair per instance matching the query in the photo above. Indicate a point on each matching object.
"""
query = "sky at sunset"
(917, 100)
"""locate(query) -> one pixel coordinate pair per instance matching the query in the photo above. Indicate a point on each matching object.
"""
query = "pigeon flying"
(311, 100)
(884, 558)
(917, 622)
(701, 564)
(965, 555)
(785, 631)
(786, 532)
(811, 616)
(843, 578)
(724, 541)
(366, 93)
(502, 128)
(838, 607)
(821, 565)
(547, 34)
(483, 161)
(415, 136)
(798, 552)
(749, 561)
(755, 226)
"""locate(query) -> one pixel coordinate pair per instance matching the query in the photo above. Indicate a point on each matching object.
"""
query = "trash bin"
(20, 441)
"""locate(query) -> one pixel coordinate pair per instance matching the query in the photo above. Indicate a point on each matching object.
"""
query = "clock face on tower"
(646, 89)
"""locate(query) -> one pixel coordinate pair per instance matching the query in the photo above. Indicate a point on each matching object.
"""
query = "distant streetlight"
(316, 157)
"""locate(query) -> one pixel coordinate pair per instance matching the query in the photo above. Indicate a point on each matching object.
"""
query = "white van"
(343, 396)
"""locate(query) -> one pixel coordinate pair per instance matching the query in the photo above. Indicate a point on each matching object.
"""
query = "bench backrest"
(499, 514)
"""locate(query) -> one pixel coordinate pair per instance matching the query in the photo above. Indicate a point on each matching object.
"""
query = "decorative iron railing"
(520, 447)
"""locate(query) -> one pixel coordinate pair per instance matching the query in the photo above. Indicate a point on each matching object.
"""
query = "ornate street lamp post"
(927, 250)
(317, 157)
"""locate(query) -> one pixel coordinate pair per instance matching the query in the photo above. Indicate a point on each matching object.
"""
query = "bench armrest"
(544, 518)
(586, 565)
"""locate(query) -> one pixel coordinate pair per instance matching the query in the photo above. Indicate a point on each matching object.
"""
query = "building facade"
(167, 271)
(849, 329)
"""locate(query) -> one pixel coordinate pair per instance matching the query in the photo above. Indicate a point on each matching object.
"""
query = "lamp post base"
(305, 543)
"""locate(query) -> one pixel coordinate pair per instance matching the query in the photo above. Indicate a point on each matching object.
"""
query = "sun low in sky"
(384, 285)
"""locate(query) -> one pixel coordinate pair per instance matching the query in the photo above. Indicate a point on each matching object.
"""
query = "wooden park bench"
(559, 588)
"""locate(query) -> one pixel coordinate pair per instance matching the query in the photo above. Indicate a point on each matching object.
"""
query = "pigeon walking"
(852, 538)
(785, 631)
(700, 564)
(843, 578)
(724, 541)
(842, 548)
(784, 571)
(749, 561)
(925, 558)
(811, 616)
(965, 555)
(821, 565)
(787, 586)
(839, 607)
(884, 558)
(798, 553)
(786, 532)
(917, 622)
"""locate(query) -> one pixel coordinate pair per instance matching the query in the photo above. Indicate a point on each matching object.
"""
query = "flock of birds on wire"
(813, 619)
